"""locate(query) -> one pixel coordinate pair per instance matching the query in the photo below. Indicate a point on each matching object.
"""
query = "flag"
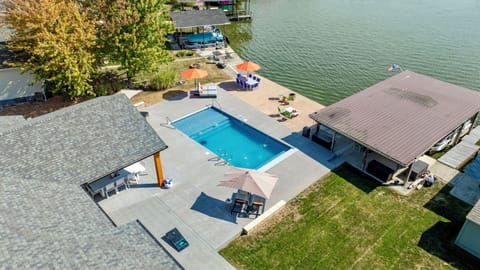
(393, 67)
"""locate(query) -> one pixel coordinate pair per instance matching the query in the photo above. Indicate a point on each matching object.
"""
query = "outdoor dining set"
(249, 82)
(116, 181)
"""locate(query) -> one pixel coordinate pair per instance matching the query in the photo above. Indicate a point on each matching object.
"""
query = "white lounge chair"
(208, 90)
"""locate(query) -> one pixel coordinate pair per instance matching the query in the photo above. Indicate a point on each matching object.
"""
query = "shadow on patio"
(230, 86)
(313, 150)
(213, 207)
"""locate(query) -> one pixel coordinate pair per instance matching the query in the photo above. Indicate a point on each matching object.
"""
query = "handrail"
(168, 124)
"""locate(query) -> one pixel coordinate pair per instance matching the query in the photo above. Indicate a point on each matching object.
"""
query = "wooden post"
(158, 167)
(332, 146)
(409, 173)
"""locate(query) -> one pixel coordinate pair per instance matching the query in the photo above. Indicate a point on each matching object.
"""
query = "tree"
(53, 38)
(133, 32)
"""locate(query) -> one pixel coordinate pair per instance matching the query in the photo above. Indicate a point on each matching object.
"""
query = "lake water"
(330, 49)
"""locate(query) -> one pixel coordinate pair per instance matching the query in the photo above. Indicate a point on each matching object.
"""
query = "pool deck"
(195, 204)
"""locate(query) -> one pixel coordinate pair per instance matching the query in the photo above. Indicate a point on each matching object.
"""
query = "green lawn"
(347, 221)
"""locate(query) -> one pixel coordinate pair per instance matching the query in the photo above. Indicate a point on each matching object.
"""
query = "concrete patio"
(195, 204)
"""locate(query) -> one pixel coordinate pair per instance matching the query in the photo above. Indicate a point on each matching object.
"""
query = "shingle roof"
(195, 18)
(474, 214)
(55, 225)
(79, 144)
(403, 116)
(47, 220)
(10, 121)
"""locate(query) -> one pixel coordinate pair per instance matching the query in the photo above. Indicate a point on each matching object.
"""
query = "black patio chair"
(254, 209)
(237, 206)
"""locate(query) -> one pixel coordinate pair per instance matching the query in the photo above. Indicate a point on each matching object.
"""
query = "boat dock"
(240, 16)
(463, 152)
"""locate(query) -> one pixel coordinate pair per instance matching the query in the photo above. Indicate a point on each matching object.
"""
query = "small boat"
(206, 37)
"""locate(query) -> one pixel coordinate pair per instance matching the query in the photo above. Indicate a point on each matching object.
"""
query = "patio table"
(250, 82)
(98, 187)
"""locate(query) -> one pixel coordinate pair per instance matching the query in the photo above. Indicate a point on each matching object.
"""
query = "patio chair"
(239, 75)
(254, 209)
(237, 206)
(250, 75)
(108, 188)
(120, 183)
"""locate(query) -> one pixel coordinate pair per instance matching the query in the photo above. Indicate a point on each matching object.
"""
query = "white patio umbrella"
(255, 182)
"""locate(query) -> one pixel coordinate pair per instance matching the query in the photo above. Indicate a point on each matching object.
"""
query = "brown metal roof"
(403, 116)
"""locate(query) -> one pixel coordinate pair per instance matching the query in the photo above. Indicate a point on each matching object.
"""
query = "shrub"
(163, 80)
(185, 53)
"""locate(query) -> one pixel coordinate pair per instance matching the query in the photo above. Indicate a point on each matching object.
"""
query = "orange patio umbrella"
(194, 73)
(248, 66)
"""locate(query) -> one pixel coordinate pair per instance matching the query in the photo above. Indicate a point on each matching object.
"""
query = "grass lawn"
(151, 97)
(347, 221)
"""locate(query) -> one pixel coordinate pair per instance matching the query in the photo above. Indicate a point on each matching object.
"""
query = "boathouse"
(384, 129)
(202, 21)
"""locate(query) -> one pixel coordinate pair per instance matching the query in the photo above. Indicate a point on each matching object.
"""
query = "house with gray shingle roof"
(394, 122)
(48, 221)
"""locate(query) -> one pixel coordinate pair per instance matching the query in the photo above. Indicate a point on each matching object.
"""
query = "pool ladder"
(168, 123)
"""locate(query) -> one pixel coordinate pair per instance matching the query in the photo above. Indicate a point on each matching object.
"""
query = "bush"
(106, 83)
(185, 53)
(163, 80)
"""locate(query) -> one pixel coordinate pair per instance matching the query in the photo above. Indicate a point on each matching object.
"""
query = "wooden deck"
(463, 152)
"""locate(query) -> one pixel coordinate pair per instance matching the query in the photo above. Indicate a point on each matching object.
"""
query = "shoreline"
(266, 97)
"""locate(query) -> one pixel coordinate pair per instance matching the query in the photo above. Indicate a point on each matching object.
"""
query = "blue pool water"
(231, 139)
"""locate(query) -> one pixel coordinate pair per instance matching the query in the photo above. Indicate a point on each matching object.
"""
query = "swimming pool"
(230, 139)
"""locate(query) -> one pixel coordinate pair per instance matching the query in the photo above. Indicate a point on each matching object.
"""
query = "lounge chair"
(208, 90)
(289, 112)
